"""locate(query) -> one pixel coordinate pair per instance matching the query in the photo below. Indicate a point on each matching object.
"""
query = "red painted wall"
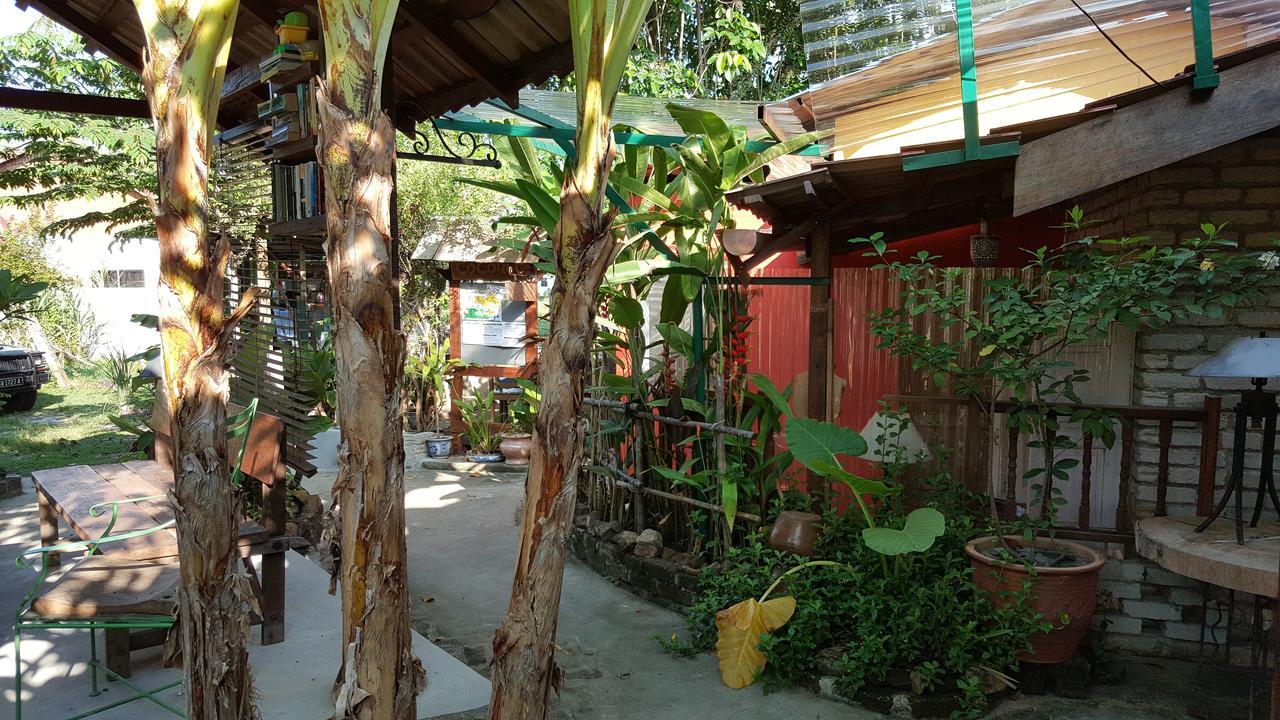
(780, 338)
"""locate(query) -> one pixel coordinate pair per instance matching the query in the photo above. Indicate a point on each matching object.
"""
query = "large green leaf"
(922, 527)
(818, 445)
(676, 296)
(858, 484)
(545, 206)
(630, 270)
(633, 186)
(626, 311)
(780, 401)
(715, 133)
(676, 338)
(729, 498)
(785, 147)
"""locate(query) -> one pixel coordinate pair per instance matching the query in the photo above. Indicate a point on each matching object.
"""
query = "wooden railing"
(1206, 418)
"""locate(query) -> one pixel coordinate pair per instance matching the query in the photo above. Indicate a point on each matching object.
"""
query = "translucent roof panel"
(647, 114)
(1036, 59)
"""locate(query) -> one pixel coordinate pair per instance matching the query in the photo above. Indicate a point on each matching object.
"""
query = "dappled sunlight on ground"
(431, 497)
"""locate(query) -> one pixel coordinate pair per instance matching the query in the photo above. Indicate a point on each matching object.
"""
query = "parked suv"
(22, 372)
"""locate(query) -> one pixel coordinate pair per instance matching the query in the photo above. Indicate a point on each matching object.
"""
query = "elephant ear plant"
(819, 446)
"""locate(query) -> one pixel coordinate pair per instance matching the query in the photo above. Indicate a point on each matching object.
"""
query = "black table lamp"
(1257, 359)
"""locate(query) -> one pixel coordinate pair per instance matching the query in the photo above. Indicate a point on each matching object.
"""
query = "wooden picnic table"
(68, 493)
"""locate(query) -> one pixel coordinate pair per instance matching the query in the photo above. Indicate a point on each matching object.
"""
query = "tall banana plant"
(582, 249)
(380, 677)
(187, 43)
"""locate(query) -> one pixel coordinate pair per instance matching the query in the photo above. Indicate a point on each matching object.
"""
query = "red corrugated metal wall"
(780, 342)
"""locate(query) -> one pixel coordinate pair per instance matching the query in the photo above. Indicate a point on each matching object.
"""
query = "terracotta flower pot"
(516, 448)
(795, 532)
(1054, 591)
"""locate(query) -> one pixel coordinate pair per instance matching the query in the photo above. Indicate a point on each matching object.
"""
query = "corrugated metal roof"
(1039, 60)
(647, 114)
(876, 194)
(462, 239)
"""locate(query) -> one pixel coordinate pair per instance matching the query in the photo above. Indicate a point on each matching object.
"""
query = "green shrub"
(924, 616)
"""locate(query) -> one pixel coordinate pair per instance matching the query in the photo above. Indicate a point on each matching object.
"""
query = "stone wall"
(1146, 609)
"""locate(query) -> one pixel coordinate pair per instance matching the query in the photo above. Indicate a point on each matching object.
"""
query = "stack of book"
(293, 113)
(296, 191)
(287, 57)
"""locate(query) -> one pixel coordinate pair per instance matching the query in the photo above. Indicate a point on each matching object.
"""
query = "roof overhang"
(443, 56)
(1061, 158)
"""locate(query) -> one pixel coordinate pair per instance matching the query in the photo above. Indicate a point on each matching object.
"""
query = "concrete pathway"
(462, 544)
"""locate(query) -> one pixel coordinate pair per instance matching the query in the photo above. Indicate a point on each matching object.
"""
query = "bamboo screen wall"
(270, 350)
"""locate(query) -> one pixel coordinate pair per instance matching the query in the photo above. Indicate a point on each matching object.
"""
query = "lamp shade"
(891, 437)
(1253, 357)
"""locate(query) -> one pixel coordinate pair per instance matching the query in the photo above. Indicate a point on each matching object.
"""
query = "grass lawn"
(68, 426)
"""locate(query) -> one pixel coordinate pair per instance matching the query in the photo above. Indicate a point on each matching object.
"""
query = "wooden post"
(1210, 432)
(48, 529)
(275, 493)
(456, 383)
(819, 344)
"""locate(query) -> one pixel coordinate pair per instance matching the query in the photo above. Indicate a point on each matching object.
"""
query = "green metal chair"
(26, 618)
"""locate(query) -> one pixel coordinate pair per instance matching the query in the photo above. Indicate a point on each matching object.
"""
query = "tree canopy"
(51, 158)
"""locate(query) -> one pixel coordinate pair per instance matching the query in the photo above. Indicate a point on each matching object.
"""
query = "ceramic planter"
(439, 445)
(795, 532)
(1055, 591)
(492, 457)
(516, 448)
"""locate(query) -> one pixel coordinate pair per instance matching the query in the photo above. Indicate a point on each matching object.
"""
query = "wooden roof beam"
(51, 101)
(556, 60)
(96, 35)
(467, 57)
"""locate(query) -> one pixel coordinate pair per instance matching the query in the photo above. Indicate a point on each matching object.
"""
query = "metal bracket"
(472, 149)
(1206, 78)
(973, 147)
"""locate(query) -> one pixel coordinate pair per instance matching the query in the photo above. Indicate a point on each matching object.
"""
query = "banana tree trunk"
(380, 677)
(524, 670)
(186, 54)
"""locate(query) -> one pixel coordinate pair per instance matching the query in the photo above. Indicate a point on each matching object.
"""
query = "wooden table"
(1213, 556)
(68, 493)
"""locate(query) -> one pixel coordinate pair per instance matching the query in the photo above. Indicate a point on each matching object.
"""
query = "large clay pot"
(795, 532)
(1054, 591)
(516, 448)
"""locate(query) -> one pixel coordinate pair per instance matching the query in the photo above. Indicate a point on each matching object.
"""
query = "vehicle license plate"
(10, 382)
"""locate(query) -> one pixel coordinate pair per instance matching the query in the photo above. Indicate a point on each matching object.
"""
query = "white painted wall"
(93, 250)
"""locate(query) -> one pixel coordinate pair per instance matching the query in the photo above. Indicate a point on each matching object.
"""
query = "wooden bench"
(67, 494)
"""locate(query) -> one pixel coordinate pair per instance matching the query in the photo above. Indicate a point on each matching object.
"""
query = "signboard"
(493, 321)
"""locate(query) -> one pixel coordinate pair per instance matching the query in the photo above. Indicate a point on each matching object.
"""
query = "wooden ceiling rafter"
(464, 55)
(96, 35)
(463, 94)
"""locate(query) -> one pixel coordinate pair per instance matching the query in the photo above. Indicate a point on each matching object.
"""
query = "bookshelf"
(268, 196)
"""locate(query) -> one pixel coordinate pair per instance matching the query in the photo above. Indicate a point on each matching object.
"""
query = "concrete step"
(459, 464)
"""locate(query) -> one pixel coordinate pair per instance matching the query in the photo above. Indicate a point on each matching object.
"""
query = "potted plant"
(477, 418)
(517, 443)
(426, 382)
(1012, 354)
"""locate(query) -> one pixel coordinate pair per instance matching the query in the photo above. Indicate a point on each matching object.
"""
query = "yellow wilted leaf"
(739, 628)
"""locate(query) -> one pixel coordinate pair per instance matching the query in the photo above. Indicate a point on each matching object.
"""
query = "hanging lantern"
(984, 249)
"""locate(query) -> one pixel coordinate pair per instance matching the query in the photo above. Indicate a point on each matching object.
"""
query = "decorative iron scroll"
(470, 148)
